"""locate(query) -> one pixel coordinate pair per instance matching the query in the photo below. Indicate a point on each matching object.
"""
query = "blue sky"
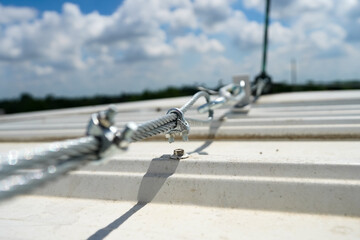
(82, 48)
(87, 6)
(106, 7)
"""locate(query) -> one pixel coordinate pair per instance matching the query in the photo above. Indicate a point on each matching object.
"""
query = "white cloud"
(332, 35)
(53, 39)
(279, 34)
(257, 4)
(63, 39)
(16, 14)
(183, 18)
(247, 34)
(198, 44)
(285, 9)
(212, 12)
(39, 70)
(153, 43)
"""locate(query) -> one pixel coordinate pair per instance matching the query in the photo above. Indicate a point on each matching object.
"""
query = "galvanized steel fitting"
(229, 94)
(102, 127)
(182, 126)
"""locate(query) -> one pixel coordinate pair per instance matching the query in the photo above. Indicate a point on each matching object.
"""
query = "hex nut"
(179, 154)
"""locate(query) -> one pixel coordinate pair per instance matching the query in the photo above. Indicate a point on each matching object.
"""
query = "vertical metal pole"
(262, 83)
(267, 10)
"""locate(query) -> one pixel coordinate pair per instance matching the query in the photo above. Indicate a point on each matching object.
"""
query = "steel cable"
(167, 122)
(28, 179)
(21, 171)
(15, 160)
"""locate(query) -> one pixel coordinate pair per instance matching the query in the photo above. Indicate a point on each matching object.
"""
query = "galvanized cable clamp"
(102, 127)
(182, 126)
(232, 92)
(229, 94)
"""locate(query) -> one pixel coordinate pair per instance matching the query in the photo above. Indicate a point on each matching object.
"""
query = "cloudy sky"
(88, 47)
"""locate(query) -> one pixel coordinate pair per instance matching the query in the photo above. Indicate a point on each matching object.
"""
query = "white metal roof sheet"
(271, 187)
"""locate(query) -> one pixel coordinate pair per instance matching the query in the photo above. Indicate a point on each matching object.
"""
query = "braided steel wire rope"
(29, 179)
(21, 171)
(167, 122)
(154, 124)
(15, 160)
(137, 136)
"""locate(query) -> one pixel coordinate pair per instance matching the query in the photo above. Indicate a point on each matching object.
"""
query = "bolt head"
(179, 152)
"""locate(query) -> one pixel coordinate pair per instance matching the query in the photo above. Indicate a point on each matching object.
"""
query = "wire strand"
(21, 171)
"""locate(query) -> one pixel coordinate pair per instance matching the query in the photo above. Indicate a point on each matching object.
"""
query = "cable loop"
(229, 94)
(182, 127)
(22, 171)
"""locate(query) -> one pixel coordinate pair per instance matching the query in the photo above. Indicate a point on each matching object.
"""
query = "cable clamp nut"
(101, 126)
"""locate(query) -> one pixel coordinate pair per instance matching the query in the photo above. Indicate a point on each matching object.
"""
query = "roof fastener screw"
(179, 154)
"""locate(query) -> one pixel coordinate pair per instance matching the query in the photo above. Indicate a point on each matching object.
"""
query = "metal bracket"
(229, 94)
(182, 126)
(232, 92)
(101, 126)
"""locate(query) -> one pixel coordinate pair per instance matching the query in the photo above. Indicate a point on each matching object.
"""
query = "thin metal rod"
(264, 57)
(194, 99)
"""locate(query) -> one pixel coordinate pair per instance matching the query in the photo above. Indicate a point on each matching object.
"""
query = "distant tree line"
(27, 103)
(312, 86)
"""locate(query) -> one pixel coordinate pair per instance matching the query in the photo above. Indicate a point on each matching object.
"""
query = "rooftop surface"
(288, 167)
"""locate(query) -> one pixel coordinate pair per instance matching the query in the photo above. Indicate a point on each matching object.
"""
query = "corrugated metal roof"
(230, 187)
(310, 115)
